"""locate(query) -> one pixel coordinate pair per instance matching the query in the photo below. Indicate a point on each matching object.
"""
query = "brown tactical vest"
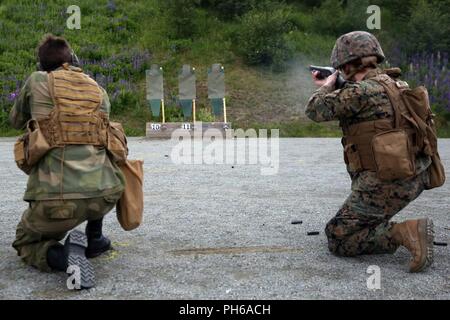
(390, 146)
(76, 118)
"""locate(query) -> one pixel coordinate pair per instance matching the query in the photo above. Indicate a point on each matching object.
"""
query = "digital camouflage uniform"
(362, 225)
(68, 186)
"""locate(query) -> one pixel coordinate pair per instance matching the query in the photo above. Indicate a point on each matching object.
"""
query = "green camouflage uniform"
(362, 225)
(67, 187)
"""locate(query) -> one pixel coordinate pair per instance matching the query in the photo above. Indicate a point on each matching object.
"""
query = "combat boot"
(417, 236)
(56, 258)
(97, 242)
(71, 258)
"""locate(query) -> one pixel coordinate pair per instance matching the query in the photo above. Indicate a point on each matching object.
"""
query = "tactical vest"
(389, 146)
(76, 118)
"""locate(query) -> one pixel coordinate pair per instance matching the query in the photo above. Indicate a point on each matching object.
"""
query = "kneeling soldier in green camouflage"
(387, 156)
(72, 178)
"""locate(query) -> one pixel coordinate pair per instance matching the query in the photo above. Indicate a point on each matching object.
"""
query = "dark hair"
(354, 66)
(365, 62)
(53, 52)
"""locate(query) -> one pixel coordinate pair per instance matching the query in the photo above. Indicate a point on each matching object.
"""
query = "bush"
(431, 70)
(230, 9)
(307, 3)
(427, 29)
(335, 18)
(181, 18)
(262, 38)
(314, 46)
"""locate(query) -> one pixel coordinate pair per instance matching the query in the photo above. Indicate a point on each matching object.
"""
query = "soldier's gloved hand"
(330, 81)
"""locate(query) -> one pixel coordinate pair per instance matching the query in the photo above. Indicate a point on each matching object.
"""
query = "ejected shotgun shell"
(313, 233)
(441, 244)
(296, 222)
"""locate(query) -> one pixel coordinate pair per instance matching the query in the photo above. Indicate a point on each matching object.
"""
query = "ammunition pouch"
(393, 155)
(19, 154)
(389, 152)
(117, 143)
(37, 144)
(30, 147)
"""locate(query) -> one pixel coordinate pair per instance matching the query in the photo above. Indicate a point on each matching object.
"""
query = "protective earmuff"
(75, 61)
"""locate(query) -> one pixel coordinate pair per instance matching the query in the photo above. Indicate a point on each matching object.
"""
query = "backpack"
(412, 106)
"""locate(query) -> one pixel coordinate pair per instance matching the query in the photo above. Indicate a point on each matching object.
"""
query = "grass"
(120, 39)
(116, 36)
(444, 131)
(9, 132)
(297, 129)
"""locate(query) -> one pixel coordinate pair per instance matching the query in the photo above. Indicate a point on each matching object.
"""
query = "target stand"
(158, 130)
(187, 101)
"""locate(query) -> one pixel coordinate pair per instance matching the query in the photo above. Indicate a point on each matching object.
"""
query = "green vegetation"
(302, 129)
(271, 46)
(265, 47)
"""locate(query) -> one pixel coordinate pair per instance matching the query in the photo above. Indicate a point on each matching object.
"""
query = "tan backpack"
(412, 106)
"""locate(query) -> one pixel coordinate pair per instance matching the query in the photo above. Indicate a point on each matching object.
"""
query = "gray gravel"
(217, 232)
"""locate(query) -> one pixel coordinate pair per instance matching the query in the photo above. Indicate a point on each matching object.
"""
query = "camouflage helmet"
(355, 45)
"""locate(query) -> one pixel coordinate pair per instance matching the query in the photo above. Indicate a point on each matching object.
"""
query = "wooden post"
(163, 111)
(193, 110)
(224, 111)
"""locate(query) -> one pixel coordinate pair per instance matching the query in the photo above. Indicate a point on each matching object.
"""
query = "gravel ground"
(225, 232)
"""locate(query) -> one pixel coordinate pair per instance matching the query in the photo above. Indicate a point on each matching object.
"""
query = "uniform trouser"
(46, 222)
(362, 225)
